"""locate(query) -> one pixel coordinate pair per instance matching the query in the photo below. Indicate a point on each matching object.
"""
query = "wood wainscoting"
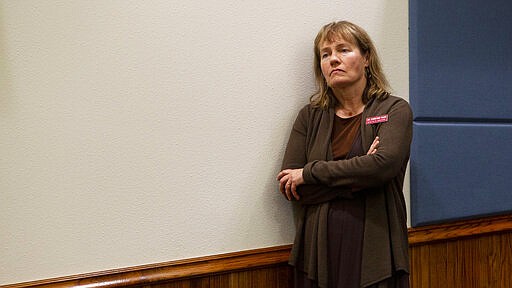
(467, 254)
(259, 268)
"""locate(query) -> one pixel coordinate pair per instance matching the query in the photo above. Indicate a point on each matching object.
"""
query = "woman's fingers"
(289, 179)
(282, 184)
(293, 188)
(282, 174)
(285, 184)
(373, 147)
(289, 190)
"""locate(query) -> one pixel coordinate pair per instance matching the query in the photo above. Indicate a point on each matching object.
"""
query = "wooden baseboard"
(471, 253)
(460, 229)
(270, 263)
(148, 275)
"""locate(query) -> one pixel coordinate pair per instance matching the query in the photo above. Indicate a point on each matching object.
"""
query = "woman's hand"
(289, 179)
(373, 147)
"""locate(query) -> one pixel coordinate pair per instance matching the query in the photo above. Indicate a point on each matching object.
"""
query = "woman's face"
(342, 63)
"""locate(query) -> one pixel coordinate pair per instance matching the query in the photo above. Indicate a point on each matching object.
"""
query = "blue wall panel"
(461, 96)
(460, 170)
(461, 59)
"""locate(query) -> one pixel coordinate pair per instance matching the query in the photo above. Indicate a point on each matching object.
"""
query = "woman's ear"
(367, 59)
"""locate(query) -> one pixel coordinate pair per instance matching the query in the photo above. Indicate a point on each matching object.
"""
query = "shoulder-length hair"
(377, 85)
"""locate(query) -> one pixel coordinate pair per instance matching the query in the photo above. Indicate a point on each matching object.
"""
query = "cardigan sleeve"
(370, 170)
(296, 157)
(295, 153)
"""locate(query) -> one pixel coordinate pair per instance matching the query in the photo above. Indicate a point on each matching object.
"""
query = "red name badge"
(377, 119)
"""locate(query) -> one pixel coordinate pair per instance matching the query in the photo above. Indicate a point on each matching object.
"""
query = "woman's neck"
(350, 101)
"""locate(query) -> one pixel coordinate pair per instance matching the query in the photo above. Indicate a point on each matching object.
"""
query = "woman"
(344, 166)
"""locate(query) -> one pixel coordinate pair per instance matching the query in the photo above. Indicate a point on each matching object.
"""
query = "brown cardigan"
(379, 176)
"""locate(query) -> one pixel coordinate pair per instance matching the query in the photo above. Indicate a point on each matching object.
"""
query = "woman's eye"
(324, 55)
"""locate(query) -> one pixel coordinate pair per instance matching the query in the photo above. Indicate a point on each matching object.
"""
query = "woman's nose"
(335, 58)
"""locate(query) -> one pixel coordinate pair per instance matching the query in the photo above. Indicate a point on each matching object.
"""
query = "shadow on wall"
(5, 75)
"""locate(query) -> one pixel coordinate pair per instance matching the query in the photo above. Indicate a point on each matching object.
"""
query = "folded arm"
(372, 169)
(291, 177)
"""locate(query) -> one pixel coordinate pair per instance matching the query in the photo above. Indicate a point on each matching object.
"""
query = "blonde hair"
(377, 85)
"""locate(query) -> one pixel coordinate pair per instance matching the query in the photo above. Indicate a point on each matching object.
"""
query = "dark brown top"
(344, 132)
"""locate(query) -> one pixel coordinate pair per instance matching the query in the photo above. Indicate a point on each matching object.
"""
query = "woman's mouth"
(335, 71)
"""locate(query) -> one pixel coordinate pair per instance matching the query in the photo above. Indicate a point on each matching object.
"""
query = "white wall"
(136, 132)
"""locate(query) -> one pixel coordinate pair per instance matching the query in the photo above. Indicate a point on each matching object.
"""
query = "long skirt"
(345, 229)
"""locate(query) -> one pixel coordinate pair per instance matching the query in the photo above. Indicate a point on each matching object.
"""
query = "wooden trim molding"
(468, 253)
(168, 271)
(148, 275)
(459, 229)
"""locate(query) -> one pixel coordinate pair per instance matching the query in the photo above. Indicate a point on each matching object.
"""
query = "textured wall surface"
(137, 132)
